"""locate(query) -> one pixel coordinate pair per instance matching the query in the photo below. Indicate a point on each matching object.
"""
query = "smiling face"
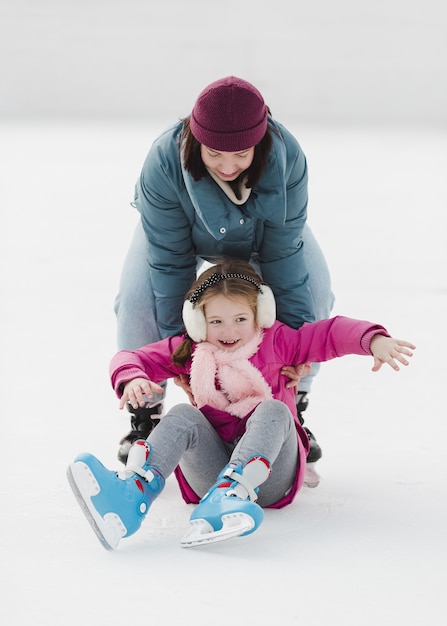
(227, 165)
(230, 322)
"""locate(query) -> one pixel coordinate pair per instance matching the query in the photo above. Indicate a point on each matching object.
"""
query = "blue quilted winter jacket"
(184, 219)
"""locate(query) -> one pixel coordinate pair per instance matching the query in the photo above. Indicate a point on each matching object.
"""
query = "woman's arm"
(282, 254)
(168, 230)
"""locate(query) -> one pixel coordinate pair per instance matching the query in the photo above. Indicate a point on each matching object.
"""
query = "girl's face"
(227, 165)
(230, 322)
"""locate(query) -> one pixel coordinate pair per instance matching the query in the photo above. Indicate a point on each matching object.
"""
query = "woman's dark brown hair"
(193, 163)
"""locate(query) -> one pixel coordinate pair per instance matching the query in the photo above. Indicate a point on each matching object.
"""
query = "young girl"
(243, 428)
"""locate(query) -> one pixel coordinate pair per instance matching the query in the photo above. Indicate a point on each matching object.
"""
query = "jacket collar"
(267, 200)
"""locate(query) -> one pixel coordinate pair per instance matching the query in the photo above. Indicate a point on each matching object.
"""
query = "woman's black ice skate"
(142, 422)
(311, 479)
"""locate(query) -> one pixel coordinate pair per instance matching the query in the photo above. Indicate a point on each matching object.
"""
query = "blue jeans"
(135, 305)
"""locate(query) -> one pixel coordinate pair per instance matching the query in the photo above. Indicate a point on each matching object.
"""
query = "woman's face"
(227, 165)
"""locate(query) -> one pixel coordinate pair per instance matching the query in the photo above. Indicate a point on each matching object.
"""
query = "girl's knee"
(185, 411)
(278, 407)
(275, 411)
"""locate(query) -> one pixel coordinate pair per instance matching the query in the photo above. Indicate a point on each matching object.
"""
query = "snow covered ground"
(368, 546)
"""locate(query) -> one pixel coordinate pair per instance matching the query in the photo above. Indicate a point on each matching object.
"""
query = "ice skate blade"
(202, 533)
(311, 476)
(109, 529)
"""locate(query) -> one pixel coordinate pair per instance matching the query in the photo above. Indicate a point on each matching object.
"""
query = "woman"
(230, 181)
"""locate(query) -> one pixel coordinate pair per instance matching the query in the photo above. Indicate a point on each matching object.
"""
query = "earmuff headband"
(194, 319)
(217, 278)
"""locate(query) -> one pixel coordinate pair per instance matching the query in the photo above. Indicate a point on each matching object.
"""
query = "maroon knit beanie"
(229, 115)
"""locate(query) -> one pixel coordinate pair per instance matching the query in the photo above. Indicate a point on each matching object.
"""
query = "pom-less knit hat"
(229, 115)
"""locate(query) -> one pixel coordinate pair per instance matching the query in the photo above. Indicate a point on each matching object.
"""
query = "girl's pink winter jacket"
(281, 345)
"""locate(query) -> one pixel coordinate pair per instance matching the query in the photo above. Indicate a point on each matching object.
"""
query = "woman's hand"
(295, 373)
(136, 389)
(183, 382)
(389, 350)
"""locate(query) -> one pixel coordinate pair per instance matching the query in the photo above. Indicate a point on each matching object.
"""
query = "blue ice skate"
(115, 504)
(229, 509)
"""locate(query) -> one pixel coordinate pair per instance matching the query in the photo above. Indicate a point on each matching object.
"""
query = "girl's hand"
(295, 373)
(389, 350)
(136, 389)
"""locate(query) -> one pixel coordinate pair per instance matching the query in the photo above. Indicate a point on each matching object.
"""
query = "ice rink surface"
(363, 89)
(368, 546)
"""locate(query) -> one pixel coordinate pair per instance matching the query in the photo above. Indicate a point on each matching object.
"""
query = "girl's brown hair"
(230, 287)
(193, 163)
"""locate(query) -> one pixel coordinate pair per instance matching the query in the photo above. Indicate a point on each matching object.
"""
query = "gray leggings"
(185, 437)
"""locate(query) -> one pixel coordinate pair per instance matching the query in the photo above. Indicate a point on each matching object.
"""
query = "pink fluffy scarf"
(241, 386)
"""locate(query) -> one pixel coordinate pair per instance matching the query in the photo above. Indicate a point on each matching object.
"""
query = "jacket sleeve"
(168, 231)
(153, 362)
(282, 258)
(326, 339)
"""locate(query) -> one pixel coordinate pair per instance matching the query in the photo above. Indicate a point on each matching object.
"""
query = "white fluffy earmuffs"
(195, 322)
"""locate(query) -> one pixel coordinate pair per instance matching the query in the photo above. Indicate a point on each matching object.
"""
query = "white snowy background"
(85, 87)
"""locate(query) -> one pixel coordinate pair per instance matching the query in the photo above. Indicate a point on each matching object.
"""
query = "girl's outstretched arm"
(389, 350)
